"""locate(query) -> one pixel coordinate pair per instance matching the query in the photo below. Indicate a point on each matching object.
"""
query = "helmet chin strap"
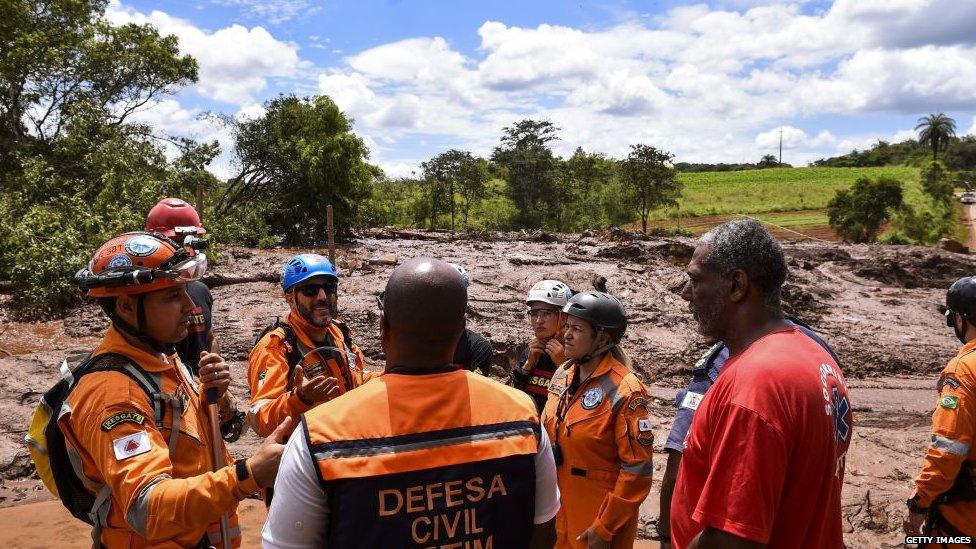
(595, 352)
(140, 331)
(960, 334)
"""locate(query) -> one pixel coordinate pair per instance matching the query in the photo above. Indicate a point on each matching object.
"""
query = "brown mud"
(879, 306)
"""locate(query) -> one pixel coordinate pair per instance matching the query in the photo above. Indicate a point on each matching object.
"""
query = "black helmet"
(961, 298)
(601, 310)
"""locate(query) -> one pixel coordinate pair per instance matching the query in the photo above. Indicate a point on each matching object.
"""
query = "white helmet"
(465, 277)
(552, 292)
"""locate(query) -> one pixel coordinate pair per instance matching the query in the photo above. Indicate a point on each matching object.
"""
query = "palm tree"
(936, 131)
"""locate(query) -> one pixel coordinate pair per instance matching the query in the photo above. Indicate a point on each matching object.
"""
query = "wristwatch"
(240, 468)
(914, 507)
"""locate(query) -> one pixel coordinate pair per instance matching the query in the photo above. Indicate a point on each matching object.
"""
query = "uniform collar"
(967, 348)
(302, 328)
(607, 363)
(115, 342)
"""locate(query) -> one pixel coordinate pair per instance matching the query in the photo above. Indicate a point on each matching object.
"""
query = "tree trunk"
(644, 223)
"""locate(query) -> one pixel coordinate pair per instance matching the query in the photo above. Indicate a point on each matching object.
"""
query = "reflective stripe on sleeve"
(641, 468)
(138, 515)
(252, 413)
(951, 446)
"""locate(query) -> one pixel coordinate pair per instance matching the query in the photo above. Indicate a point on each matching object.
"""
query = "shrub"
(858, 213)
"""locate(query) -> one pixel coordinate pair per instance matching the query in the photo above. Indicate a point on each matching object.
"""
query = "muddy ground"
(877, 305)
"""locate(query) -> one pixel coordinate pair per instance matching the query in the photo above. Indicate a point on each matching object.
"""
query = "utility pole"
(780, 147)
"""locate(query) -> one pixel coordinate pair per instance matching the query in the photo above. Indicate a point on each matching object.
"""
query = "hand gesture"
(555, 351)
(315, 390)
(264, 463)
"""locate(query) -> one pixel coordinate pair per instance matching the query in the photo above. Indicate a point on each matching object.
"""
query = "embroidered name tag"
(123, 417)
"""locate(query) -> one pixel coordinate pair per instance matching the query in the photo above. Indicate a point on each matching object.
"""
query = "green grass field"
(779, 190)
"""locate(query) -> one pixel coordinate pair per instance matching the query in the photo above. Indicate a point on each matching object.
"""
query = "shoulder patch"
(131, 445)
(592, 398)
(115, 420)
(948, 380)
(558, 381)
(949, 401)
(637, 402)
(691, 400)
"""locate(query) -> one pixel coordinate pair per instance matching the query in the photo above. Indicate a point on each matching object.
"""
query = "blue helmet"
(303, 267)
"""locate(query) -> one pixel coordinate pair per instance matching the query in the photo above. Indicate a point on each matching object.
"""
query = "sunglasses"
(312, 290)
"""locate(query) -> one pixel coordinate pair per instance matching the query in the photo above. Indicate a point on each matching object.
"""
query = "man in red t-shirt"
(764, 460)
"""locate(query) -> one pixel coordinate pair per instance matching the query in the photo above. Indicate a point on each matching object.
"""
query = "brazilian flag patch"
(949, 401)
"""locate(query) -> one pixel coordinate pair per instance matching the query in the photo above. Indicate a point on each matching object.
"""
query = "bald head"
(424, 306)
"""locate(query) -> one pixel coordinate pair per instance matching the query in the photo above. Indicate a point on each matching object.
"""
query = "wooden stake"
(200, 200)
(328, 212)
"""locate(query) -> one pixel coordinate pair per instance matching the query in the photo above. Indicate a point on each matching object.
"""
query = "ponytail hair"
(620, 356)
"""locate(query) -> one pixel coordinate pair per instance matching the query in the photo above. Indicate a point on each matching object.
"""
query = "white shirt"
(300, 511)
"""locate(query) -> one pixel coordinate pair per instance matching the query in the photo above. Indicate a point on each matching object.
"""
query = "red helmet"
(172, 216)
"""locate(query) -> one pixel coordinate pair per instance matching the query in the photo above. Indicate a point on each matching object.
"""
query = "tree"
(937, 182)
(454, 173)
(73, 167)
(650, 179)
(62, 59)
(858, 213)
(296, 159)
(473, 182)
(767, 161)
(936, 130)
(587, 197)
(531, 170)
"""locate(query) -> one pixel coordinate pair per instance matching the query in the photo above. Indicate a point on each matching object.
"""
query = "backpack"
(58, 465)
(294, 349)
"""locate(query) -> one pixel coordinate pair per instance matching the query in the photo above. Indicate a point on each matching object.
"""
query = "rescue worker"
(310, 357)
(945, 489)
(598, 421)
(425, 454)
(180, 221)
(156, 480)
(473, 351)
(544, 353)
(704, 374)
(763, 462)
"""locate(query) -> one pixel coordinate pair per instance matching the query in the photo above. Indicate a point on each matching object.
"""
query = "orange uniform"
(604, 435)
(443, 459)
(953, 434)
(162, 495)
(269, 374)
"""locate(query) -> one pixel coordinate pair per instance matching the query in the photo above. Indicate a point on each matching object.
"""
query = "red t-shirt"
(764, 459)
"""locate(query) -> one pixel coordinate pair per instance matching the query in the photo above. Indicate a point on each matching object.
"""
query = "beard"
(316, 317)
(707, 314)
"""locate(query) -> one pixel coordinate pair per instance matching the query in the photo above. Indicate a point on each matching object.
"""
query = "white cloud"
(972, 129)
(907, 81)
(275, 11)
(235, 62)
(710, 84)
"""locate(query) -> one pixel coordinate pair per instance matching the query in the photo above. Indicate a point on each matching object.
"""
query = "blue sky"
(710, 82)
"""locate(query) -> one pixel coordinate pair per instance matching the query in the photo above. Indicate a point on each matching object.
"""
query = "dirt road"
(878, 306)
